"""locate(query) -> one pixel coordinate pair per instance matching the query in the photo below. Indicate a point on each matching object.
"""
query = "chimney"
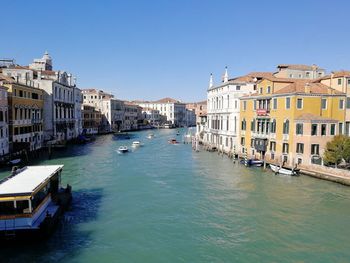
(307, 88)
(69, 76)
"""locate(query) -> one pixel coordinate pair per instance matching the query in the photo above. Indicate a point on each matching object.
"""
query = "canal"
(166, 203)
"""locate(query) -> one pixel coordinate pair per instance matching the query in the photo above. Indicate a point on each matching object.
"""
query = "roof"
(299, 66)
(26, 181)
(250, 77)
(302, 86)
(312, 117)
(336, 74)
(7, 79)
(167, 100)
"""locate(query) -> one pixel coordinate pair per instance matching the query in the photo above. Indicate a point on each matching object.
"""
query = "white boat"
(136, 144)
(123, 149)
(15, 161)
(282, 170)
(150, 136)
(31, 201)
(188, 135)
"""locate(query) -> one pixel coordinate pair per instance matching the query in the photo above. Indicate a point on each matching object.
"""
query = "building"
(62, 116)
(132, 116)
(174, 110)
(112, 112)
(190, 118)
(290, 121)
(223, 109)
(297, 71)
(25, 115)
(78, 97)
(340, 80)
(92, 120)
(94, 97)
(4, 130)
(152, 116)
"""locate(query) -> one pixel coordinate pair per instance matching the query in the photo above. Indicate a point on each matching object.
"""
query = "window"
(273, 126)
(254, 104)
(299, 104)
(339, 81)
(242, 141)
(291, 76)
(286, 127)
(287, 103)
(324, 104)
(272, 146)
(308, 74)
(243, 125)
(341, 104)
(313, 129)
(261, 90)
(315, 149)
(268, 89)
(323, 129)
(348, 103)
(332, 129)
(340, 131)
(252, 143)
(300, 148)
(299, 129)
(238, 87)
(285, 148)
(244, 105)
(275, 103)
(348, 81)
(252, 125)
(235, 104)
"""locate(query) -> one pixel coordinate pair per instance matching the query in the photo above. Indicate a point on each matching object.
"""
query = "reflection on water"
(166, 203)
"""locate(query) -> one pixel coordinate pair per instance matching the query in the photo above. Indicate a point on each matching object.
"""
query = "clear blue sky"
(152, 49)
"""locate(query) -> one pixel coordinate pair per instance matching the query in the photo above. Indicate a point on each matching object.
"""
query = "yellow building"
(290, 120)
(25, 116)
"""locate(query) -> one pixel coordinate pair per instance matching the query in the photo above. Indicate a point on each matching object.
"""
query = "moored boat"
(281, 170)
(31, 201)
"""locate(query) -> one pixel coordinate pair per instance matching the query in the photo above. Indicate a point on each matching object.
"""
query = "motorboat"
(136, 144)
(177, 132)
(150, 136)
(255, 162)
(281, 170)
(123, 149)
(173, 141)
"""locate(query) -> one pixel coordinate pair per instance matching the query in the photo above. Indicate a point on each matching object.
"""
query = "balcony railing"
(262, 112)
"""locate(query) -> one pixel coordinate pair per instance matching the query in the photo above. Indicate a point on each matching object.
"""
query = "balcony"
(285, 137)
(272, 136)
(263, 112)
(260, 135)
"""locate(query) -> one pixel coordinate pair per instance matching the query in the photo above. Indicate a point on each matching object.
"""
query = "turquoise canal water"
(166, 203)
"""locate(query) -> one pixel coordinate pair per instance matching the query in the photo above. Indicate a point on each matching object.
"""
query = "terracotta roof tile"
(299, 66)
(302, 86)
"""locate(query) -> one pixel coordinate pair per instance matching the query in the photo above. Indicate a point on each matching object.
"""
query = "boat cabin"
(27, 196)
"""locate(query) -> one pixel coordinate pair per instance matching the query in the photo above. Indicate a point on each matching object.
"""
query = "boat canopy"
(27, 180)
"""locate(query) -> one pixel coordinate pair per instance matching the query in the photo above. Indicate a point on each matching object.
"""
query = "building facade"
(112, 112)
(298, 71)
(290, 123)
(25, 116)
(92, 120)
(4, 129)
(223, 110)
(174, 110)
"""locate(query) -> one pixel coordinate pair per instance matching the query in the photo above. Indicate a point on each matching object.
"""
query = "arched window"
(286, 127)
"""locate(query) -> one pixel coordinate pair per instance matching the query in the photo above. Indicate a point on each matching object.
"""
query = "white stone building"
(152, 116)
(112, 112)
(223, 110)
(174, 110)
